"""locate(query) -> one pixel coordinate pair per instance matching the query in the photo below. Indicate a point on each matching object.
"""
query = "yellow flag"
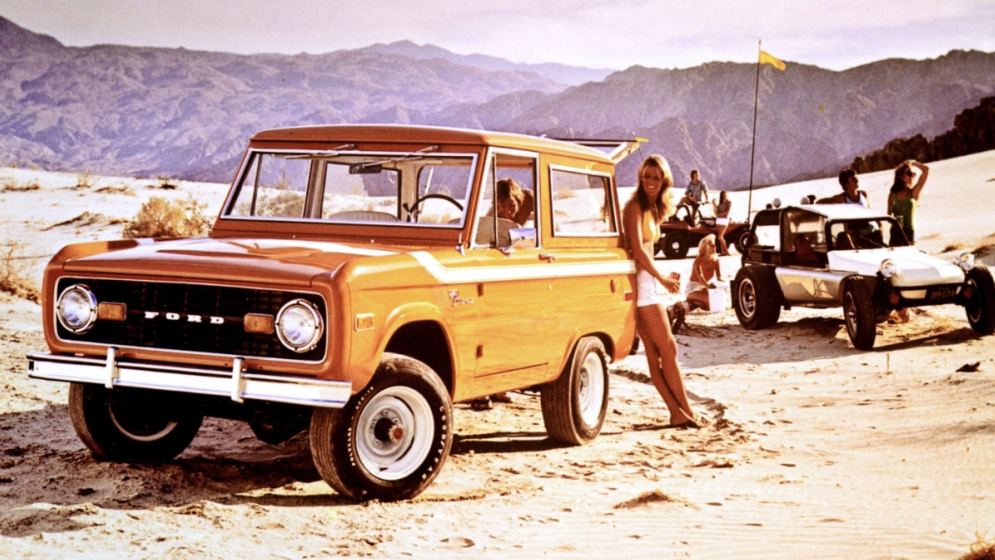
(767, 58)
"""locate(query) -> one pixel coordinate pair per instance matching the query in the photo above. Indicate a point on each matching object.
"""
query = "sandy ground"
(814, 449)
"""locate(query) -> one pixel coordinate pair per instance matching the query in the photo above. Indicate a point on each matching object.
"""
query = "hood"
(267, 261)
(915, 268)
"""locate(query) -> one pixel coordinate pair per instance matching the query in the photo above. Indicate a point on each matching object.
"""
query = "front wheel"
(391, 439)
(132, 425)
(574, 405)
(980, 304)
(858, 311)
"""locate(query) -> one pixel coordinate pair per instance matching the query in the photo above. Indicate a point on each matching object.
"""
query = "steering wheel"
(416, 207)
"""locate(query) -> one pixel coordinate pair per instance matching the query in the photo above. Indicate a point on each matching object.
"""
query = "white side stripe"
(521, 272)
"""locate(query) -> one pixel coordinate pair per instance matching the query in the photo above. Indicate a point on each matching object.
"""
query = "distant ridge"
(562, 73)
(187, 114)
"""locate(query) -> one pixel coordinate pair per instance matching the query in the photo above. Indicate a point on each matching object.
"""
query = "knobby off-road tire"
(132, 425)
(756, 297)
(858, 313)
(391, 439)
(980, 306)
(574, 405)
(675, 245)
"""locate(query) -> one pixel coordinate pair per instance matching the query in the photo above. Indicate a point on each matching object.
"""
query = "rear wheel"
(756, 297)
(133, 425)
(742, 240)
(675, 245)
(858, 311)
(574, 405)
(980, 304)
(391, 439)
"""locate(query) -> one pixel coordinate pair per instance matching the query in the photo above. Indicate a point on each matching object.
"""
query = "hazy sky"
(835, 34)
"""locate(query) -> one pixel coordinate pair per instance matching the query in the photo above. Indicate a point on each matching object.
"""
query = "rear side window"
(581, 204)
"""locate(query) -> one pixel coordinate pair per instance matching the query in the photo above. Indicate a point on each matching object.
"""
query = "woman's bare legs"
(720, 232)
(661, 354)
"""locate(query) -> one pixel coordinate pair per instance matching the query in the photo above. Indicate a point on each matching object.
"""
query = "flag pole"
(753, 146)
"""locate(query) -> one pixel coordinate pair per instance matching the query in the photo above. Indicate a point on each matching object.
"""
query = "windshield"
(866, 234)
(404, 189)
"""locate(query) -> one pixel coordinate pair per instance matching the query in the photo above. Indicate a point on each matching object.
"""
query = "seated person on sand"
(704, 270)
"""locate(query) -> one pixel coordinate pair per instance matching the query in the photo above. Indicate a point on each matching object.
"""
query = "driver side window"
(508, 203)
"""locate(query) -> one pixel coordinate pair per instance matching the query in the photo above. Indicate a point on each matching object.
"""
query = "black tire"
(391, 439)
(980, 306)
(756, 297)
(742, 240)
(131, 425)
(675, 245)
(273, 434)
(574, 405)
(858, 313)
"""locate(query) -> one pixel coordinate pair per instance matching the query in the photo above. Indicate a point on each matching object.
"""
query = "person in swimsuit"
(650, 204)
(722, 208)
(706, 267)
(903, 199)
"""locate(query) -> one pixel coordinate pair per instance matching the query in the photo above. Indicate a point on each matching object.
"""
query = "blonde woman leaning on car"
(649, 205)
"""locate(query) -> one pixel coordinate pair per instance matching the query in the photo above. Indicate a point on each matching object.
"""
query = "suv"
(356, 284)
(844, 255)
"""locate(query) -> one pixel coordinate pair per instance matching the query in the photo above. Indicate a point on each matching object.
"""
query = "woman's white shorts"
(647, 290)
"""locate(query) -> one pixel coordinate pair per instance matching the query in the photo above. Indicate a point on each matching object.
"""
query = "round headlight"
(299, 325)
(77, 308)
(888, 268)
(965, 261)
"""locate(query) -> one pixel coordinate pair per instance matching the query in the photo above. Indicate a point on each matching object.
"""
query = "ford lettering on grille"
(190, 318)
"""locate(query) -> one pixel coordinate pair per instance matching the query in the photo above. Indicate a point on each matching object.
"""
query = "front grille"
(173, 304)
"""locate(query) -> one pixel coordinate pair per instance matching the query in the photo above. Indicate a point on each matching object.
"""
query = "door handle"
(548, 257)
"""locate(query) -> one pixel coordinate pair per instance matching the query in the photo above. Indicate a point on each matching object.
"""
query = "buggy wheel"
(980, 305)
(574, 404)
(742, 240)
(858, 312)
(675, 245)
(391, 439)
(756, 297)
(133, 425)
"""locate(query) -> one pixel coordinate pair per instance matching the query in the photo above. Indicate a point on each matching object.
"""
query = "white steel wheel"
(591, 395)
(394, 433)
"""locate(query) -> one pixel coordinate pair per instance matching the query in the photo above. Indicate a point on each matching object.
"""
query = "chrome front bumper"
(235, 383)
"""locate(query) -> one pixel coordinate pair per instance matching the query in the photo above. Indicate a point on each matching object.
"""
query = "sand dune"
(813, 449)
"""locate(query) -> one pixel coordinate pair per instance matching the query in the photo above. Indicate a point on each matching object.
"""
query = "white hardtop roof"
(841, 211)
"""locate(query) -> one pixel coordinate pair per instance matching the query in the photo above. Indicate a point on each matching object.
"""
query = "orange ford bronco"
(357, 283)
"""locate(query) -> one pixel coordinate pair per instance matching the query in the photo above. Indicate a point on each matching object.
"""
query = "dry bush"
(85, 181)
(953, 247)
(160, 217)
(29, 186)
(981, 549)
(15, 273)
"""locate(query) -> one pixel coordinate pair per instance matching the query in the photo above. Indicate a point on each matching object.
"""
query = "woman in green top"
(904, 198)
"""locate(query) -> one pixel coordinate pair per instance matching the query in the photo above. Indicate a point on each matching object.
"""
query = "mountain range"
(188, 114)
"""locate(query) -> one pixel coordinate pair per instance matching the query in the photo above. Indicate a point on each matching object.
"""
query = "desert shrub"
(15, 273)
(160, 217)
(85, 181)
(28, 186)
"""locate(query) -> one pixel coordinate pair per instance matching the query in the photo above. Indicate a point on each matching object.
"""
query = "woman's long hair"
(898, 185)
(662, 206)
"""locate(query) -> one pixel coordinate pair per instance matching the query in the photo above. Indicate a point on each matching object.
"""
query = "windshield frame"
(242, 180)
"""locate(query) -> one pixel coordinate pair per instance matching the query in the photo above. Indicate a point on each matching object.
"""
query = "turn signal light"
(107, 311)
(259, 323)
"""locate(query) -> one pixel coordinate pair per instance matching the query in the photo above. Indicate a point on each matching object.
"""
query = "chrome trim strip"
(236, 383)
